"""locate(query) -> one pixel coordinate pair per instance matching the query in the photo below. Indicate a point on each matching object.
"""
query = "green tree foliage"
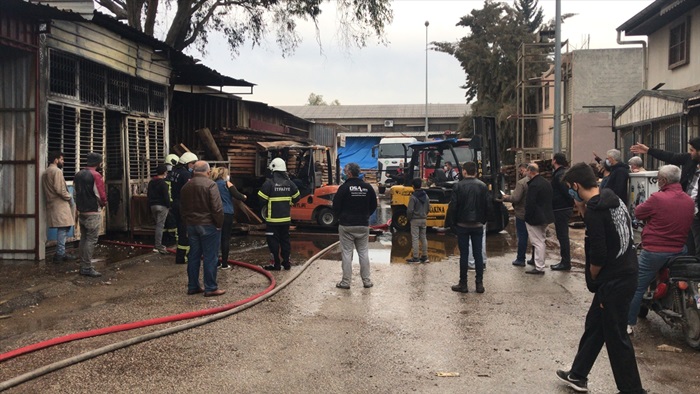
(189, 22)
(489, 57)
(317, 99)
(531, 13)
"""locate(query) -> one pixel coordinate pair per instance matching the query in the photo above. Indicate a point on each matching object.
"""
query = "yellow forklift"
(427, 159)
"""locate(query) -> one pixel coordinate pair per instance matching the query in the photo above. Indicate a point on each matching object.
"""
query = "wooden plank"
(206, 138)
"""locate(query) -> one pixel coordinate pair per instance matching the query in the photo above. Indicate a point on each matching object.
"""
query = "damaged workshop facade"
(76, 83)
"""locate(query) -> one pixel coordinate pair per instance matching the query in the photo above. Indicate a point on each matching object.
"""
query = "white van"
(391, 153)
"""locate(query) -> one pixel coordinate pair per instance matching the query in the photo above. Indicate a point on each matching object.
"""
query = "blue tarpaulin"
(358, 150)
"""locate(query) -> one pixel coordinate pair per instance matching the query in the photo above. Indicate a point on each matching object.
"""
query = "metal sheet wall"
(18, 213)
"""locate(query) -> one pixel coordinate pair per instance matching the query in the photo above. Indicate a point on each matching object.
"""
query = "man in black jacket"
(563, 207)
(538, 214)
(466, 215)
(354, 202)
(619, 175)
(690, 173)
(611, 273)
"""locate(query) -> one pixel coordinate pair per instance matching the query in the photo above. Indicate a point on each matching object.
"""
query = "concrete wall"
(593, 133)
(681, 77)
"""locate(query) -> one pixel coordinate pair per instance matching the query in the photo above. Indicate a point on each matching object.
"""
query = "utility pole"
(556, 141)
(426, 79)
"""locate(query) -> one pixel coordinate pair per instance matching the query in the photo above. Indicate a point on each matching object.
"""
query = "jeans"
(649, 264)
(418, 237)
(278, 242)
(61, 235)
(521, 233)
(89, 232)
(226, 237)
(606, 325)
(204, 244)
(159, 212)
(354, 237)
(464, 236)
(694, 238)
(561, 226)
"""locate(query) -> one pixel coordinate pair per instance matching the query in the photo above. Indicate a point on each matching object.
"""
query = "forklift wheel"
(399, 219)
(326, 218)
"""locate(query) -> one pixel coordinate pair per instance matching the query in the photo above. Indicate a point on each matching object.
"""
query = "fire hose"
(212, 314)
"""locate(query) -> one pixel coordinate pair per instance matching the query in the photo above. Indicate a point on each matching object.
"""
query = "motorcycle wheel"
(643, 312)
(691, 328)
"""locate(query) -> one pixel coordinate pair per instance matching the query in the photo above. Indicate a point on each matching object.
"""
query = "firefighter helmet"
(277, 164)
(171, 159)
(188, 157)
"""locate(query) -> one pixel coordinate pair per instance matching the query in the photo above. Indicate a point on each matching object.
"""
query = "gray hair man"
(636, 164)
(619, 175)
(538, 214)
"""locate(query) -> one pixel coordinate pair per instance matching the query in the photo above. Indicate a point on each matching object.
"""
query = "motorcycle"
(675, 297)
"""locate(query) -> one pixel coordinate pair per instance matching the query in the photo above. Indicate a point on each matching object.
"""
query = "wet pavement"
(314, 338)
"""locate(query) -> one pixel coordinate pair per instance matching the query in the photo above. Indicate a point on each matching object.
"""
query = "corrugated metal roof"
(655, 16)
(83, 7)
(393, 111)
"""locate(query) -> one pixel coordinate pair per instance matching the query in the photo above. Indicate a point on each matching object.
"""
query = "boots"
(479, 287)
(461, 287)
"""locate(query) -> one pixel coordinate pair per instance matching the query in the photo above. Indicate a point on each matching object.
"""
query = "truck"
(426, 161)
(391, 154)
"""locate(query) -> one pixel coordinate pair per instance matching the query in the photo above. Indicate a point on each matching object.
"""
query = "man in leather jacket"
(466, 215)
(563, 207)
(538, 214)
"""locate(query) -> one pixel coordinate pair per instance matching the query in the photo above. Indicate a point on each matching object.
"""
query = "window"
(679, 44)
(146, 148)
(75, 132)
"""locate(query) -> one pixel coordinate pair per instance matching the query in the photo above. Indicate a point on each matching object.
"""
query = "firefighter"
(170, 229)
(180, 175)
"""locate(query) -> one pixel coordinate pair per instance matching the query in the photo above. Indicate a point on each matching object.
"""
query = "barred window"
(92, 82)
(63, 69)
(62, 126)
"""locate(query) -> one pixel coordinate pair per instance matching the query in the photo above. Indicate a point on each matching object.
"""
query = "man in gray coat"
(417, 214)
(59, 205)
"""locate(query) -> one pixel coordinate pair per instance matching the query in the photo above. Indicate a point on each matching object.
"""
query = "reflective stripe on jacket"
(280, 193)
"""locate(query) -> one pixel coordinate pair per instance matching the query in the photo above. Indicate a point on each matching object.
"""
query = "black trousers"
(561, 226)
(278, 242)
(606, 323)
(183, 242)
(226, 237)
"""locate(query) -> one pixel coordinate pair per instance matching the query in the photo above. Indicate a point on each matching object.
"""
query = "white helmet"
(188, 157)
(171, 159)
(277, 164)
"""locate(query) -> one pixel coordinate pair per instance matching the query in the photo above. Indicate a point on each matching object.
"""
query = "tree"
(531, 13)
(249, 20)
(488, 56)
(317, 99)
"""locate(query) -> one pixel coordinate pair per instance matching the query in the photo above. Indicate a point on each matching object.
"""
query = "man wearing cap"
(690, 175)
(90, 198)
(180, 175)
(159, 201)
(279, 193)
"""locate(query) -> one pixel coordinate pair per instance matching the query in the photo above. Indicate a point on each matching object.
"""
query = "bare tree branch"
(117, 7)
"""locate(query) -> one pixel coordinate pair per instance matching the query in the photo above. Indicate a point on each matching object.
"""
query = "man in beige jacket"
(518, 201)
(59, 205)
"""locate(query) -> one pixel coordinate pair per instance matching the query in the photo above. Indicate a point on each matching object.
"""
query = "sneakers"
(65, 257)
(272, 267)
(91, 273)
(580, 385)
(518, 263)
(424, 259)
(224, 267)
(367, 284)
(460, 288)
(413, 260)
(342, 285)
(161, 251)
(630, 330)
(480, 287)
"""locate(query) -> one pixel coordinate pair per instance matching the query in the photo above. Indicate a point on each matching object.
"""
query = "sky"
(395, 73)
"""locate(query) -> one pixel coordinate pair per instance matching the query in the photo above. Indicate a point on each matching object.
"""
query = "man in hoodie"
(90, 198)
(619, 175)
(417, 214)
(279, 194)
(668, 214)
(690, 175)
(563, 207)
(354, 202)
(611, 274)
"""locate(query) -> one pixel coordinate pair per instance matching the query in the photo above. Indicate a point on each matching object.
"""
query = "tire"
(643, 312)
(399, 219)
(326, 218)
(691, 327)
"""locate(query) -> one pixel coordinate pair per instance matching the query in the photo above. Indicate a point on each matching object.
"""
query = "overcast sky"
(395, 74)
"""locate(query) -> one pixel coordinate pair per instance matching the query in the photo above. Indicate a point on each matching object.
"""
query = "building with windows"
(666, 113)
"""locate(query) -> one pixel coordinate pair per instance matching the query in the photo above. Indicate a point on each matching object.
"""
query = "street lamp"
(426, 79)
